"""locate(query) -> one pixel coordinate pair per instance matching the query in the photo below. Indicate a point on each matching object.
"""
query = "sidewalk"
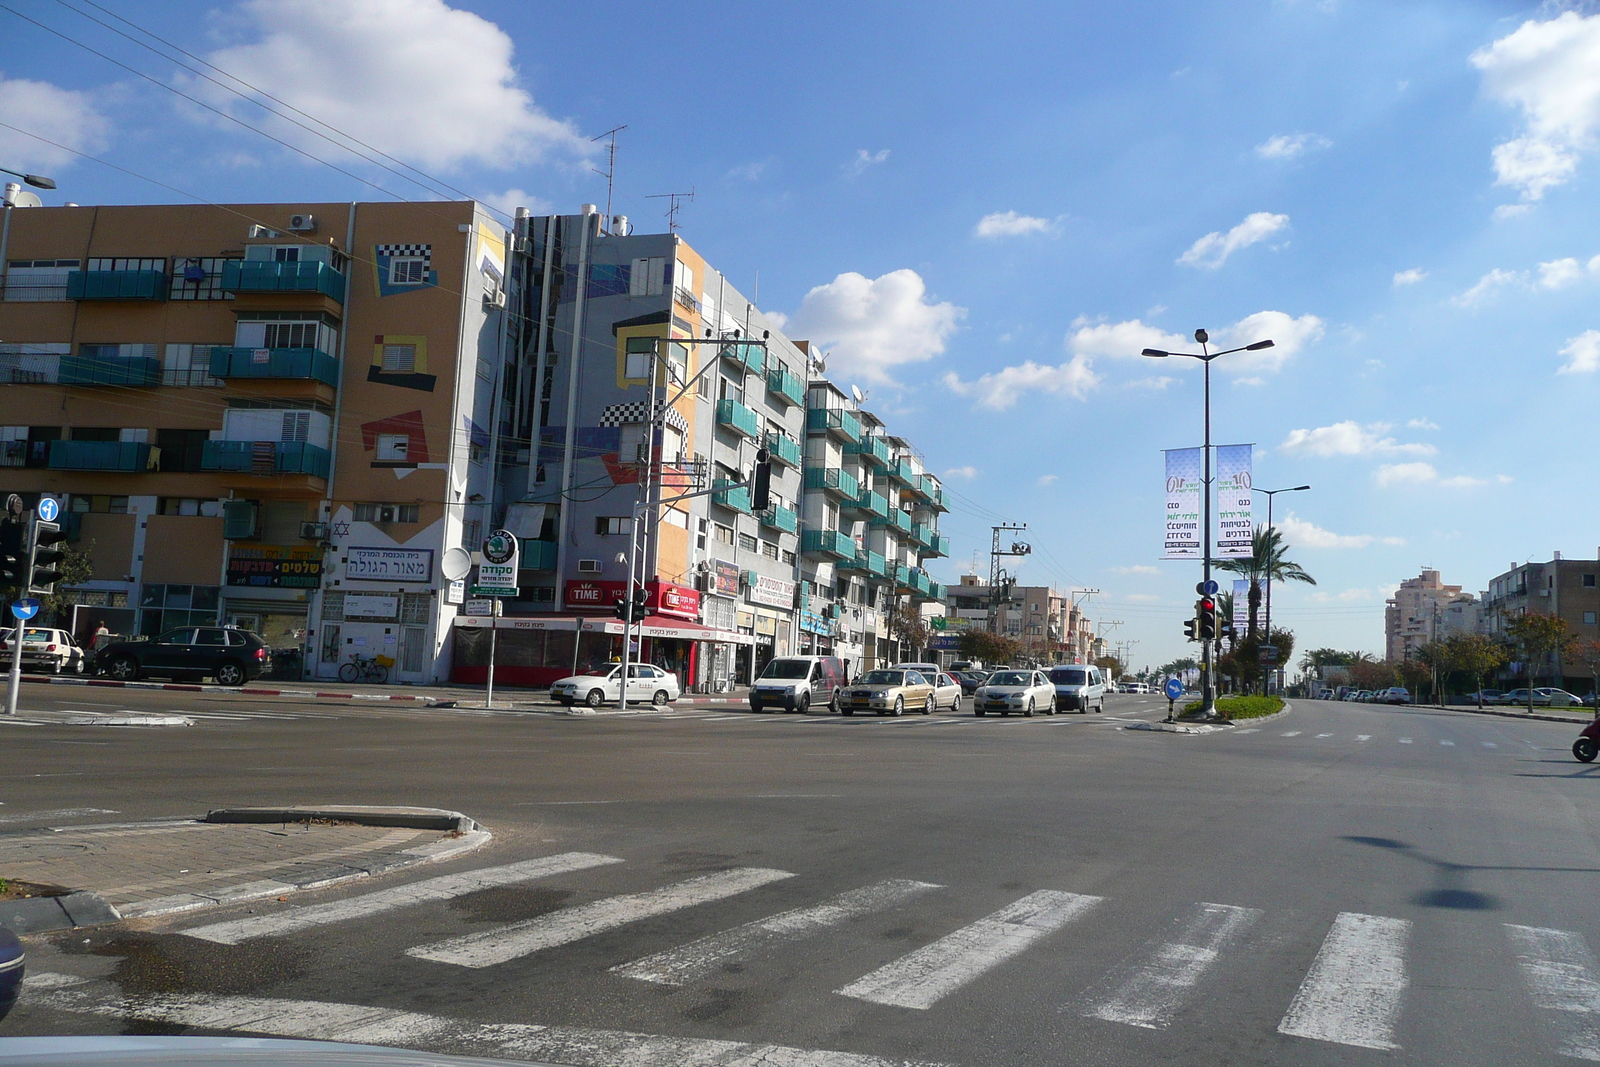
(95, 874)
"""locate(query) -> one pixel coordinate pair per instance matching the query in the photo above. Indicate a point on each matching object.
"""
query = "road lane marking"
(1250, 730)
(922, 978)
(59, 813)
(1290, 733)
(1363, 737)
(1488, 744)
(704, 957)
(1324, 735)
(1560, 970)
(444, 888)
(1161, 985)
(1405, 740)
(359, 1024)
(585, 920)
(1452, 744)
(1352, 992)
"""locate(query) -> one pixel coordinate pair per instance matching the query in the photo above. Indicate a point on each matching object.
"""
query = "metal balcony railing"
(835, 421)
(306, 364)
(751, 357)
(780, 518)
(786, 385)
(735, 416)
(781, 449)
(730, 494)
(261, 276)
(117, 285)
(78, 369)
(873, 451)
(266, 457)
(834, 480)
(102, 456)
(827, 543)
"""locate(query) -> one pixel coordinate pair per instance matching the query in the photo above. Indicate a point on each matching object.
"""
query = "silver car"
(1021, 691)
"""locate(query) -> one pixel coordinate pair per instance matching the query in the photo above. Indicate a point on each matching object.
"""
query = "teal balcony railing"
(897, 520)
(735, 416)
(781, 449)
(869, 563)
(786, 385)
(902, 577)
(938, 545)
(780, 518)
(873, 451)
(260, 276)
(920, 584)
(835, 421)
(936, 499)
(751, 357)
(99, 456)
(538, 555)
(835, 480)
(869, 504)
(732, 495)
(265, 457)
(937, 591)
(921, 535)
(829, 543)
(901, 471)
(117, 285)
(305, 364)
(79, 369)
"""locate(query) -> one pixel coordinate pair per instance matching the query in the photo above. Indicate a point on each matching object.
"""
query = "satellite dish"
(855, 391)
(23, 198)
(821, 365)
(456, 564)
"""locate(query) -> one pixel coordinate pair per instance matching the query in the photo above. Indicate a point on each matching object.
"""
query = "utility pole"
(998, 576)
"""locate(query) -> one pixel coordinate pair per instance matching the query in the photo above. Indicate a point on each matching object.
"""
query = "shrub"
(1242, 707)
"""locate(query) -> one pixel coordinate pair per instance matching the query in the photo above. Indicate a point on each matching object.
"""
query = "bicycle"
(364, 669)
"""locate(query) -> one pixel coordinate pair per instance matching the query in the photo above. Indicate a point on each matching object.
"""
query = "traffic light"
(761, 484)
(45, 559)
(13, 553)
(1208, 619)
(1191, 628)
(1225, 628)
(633, 610)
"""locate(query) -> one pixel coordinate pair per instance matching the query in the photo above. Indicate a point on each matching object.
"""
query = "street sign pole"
(15, 683)
(494, 633)
(497, 577)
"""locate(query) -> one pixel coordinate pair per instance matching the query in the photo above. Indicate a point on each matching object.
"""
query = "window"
(159, 264)
(399, 359)
(1589, 618)
(181, 450)
(700, 535)
(724, 533)
(172, 505)
(637, 359)
(188, 365)
(286, 254)
(648, 276)
(471, 533)
(198, 278)
(610, 524)
(381, 513)
(291, 335)
(37, 280)
(747, 543)
(408, 270)
(128, 351)
(788, 557)
(769, 549)
(392, 447)
(1588, 581)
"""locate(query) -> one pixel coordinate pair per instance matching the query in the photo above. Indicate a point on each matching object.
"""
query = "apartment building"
(1568, 588)
(1045, 621)
(271, 415)
(1424, 609)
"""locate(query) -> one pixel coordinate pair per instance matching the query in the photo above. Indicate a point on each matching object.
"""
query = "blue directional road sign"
(26, 608)
(49, 508)
(1209, 588)
(1174, 689)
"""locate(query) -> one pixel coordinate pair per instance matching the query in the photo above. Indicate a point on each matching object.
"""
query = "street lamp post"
(1208, 691)
(38, 181)
(1270, 494)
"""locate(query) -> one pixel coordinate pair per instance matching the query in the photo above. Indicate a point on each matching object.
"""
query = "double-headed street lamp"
(1270, 494)
(1208, 693)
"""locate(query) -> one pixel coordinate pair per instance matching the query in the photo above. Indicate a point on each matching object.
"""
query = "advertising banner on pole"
(1235, 503)
(1181, 536)
(1241, 607)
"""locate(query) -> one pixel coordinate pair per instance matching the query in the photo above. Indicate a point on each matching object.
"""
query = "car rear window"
(1068, 676)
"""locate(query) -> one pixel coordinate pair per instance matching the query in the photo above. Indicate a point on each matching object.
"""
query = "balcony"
(920, 584)
(781, 449)
(835, 421)
(901, 471)
(780, 518)
(938, 545)
(902, 577)
(869, 505)
(117, 285)
(79, 369)
(260, 276)
(866, 562)
(827, 544)
(265, 457)
(834, 480)
(936, 499)
(731, 495)
(921, 535)
(786, 386)
(896, 520)
(751, 357)
(874, 451)
(538, 555)
(937, 591)
(304, 364)
(101, 456)
(738, 418)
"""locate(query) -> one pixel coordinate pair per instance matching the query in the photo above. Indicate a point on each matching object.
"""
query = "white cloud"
(967, 473)
(1551, 71)
(1289, 336)
(1127, 338)
(873, 325)
(1001, 389)
(1137, 568)
(417, 79)
(1047, 479)
(1288, 146)
(1511, 211)
(865, 160)
(63, 115)
(512, 199)
(1010, 224)
(1488, 285)
(1406, 474)
(750, 171)
(1409, 277)
(1422, 424)
(1559, 273)
(1158, 382)
(1212, 250)
(1350, 438)
(1305, 534)
(1462, 481)
(1091, 340)
(1583, 353)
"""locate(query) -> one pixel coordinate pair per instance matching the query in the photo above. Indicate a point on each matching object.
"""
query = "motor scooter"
(1588, 743)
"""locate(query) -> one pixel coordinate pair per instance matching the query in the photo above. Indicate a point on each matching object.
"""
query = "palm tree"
(1266, 562)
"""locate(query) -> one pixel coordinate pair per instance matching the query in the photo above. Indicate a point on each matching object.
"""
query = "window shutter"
(238, 519)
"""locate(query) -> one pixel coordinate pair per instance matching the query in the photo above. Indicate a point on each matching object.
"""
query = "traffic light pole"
(15, 684)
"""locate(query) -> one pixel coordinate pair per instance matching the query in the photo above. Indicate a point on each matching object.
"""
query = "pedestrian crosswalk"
(1355, 990)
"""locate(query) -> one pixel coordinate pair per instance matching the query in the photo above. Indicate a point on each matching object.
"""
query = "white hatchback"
(1021, 691)
(646, 684)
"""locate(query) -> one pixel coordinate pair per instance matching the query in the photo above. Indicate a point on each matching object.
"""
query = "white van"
(1079, 687)
(796, 683)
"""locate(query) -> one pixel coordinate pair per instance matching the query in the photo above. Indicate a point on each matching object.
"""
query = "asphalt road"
(1342, 884)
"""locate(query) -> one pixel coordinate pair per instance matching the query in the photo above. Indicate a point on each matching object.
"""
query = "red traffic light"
(1207, 604)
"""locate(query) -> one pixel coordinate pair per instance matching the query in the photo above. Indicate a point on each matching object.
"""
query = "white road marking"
(1452, 744)
(921, 978)
(6, 720)
(585, 920)
(1324, 735)
(59, 813)
(1363, 737)
(1405, 740)
(356, 1023)
(444, 888)
(1488, 744)
(1290, 733)
(1250, 730)
(1161, 984)
(702, 958)
(1352, 992)
(1560, 972)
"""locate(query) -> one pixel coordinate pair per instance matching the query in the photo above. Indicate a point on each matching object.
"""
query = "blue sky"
(985, 211)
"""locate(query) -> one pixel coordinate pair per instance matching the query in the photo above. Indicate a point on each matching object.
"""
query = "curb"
(1206, 728)
(182, 687)
(1509, 714)
(38, 915)
(361, 814)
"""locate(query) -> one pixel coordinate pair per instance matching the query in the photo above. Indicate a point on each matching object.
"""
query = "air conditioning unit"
(262, 232)
(313, 531)
(588, 566)
(522, 243)
(303, 223)
(494, 298)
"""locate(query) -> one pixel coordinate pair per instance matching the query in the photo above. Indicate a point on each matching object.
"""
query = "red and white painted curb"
(246, 690)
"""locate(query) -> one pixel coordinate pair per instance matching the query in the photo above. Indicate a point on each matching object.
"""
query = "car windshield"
(1011, 678)
(884, 678)
(1068, 676)
(788, 668)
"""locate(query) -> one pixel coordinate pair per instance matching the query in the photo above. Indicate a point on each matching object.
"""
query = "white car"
(646, 684)
(44, 649)
(1020, 691)
(946, 691)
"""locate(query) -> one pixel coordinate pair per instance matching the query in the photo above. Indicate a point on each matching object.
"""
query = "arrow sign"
(49, 508)
(1174, 689)
(26, 608)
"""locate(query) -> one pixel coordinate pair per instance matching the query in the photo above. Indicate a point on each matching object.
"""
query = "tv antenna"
(611, 164)
(672, 212)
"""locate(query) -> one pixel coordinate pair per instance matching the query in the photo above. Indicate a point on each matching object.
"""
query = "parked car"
(1395, 694)
(797, 683)
(1020, 691)
(947, 691)
(45, 649)
(645, 683)
(889, 691)
(1550, 698)
(231, 656)
(1077, 687)
(1487, 696)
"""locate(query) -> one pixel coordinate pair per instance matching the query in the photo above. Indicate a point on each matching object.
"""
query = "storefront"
(540, 650)
(383, 609)
(771, 606)
(268, 592)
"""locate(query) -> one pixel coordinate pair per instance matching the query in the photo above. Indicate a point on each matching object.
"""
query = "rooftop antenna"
(611, 164)
(672, 212)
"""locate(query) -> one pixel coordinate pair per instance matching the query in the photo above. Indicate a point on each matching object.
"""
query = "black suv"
(232, 657)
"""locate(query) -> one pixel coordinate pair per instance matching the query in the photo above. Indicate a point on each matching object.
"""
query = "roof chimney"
(590, 209)
(1556, 555)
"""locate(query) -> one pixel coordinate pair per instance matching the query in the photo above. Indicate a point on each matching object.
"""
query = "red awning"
(668, 627)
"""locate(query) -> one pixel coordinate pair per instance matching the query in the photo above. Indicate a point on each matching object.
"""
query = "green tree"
(1587, 652)
(1111, 665)
(906, 625)
(1540, 637)
(1267, 562)
(988, 648)
(1476, 655)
